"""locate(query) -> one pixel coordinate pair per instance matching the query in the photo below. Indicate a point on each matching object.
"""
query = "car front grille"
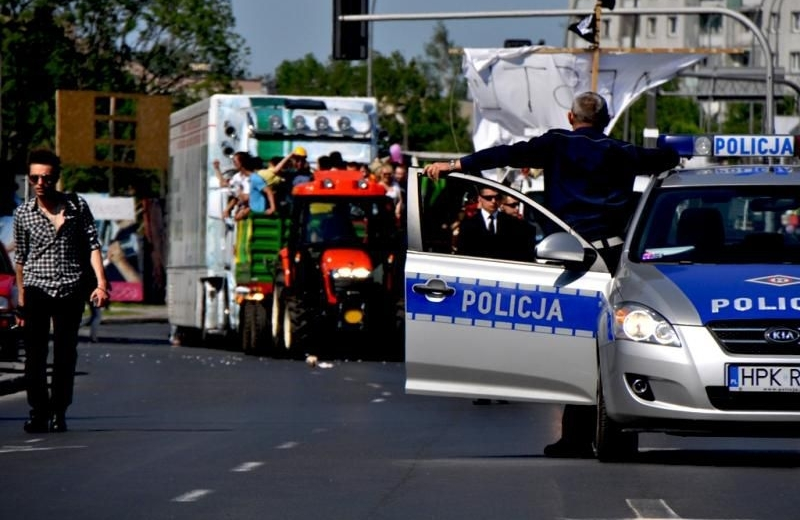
(758, 336)
(723, 399)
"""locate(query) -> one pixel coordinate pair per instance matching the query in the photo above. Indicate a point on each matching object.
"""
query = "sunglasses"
(46, 179)
(511, 204)
(490, 197)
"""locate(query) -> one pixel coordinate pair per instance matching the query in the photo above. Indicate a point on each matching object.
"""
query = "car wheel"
(611, 444)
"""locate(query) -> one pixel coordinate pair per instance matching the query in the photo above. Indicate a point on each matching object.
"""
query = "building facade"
(727, 74)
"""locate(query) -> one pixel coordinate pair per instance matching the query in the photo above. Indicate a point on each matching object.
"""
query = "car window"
(451, 207)
(730, 225)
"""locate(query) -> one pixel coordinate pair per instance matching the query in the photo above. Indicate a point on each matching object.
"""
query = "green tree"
(674, 115)
(418, 104)
(132, 46)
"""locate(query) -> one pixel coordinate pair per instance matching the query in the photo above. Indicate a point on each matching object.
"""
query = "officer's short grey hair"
(591, 108)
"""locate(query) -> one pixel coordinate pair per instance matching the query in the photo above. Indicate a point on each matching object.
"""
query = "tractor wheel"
(611, 444)
(253, 322)
(296, 327)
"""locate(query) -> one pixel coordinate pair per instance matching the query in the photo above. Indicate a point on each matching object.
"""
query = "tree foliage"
(418, 98)
(128, 46)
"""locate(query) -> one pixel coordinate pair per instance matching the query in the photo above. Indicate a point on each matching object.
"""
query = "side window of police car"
(453, 222)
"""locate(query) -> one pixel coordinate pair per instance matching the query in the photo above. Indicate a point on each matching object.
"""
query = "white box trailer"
(208, 281)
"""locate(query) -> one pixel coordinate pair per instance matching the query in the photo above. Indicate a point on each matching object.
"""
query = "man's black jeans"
(65, 315)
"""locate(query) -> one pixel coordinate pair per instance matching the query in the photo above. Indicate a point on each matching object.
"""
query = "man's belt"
(607, 242)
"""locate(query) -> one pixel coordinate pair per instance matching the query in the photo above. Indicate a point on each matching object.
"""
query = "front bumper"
(687, 388)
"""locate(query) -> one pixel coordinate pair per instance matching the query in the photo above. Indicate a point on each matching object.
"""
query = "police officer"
(588, 184)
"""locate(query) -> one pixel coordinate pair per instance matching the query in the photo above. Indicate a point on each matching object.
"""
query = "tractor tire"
(297, 325)
(611, 444)
(253, 321)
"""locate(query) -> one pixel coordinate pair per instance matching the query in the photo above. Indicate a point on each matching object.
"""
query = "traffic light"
(350, 39)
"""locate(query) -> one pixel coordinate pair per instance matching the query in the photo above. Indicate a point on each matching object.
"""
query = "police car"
(696, 333)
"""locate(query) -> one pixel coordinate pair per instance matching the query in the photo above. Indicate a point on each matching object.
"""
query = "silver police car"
(697, 332)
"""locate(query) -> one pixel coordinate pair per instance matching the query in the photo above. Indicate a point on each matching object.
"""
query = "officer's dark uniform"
(588, 178)
(589, 185)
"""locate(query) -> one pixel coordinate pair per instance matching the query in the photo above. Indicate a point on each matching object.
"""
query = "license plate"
(763, 378)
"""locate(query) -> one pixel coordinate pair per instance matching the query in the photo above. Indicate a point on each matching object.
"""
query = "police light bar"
(731, 145)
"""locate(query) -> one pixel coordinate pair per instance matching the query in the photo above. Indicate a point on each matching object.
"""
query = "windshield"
(728, 225)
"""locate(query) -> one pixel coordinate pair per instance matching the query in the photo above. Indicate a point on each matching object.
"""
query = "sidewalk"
(13, 370)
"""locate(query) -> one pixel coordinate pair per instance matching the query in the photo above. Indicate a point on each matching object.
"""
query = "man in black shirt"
(589, 184)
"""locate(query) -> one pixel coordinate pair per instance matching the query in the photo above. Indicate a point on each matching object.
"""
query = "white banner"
(520, 93)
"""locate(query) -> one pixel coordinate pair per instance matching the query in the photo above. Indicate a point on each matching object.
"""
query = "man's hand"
(437, 169)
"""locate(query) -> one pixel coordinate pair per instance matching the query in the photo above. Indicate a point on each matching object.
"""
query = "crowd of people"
(261, 188)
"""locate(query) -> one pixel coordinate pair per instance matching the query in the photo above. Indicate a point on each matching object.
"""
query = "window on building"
(606, 29)
(672, 25)
(711, 23)
(774, 22)
(795, 21)
(741, 59)
(651, 26)
(794, 61)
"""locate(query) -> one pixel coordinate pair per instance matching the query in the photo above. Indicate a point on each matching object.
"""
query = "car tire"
(611, 443)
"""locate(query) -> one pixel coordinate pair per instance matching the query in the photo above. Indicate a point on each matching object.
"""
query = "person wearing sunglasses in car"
(57, 245)
(492, 233)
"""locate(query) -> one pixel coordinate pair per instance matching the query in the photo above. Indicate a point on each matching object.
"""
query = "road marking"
(645, 508)
(247, 466)
(20, 449)
(287, 445)
(192, 496)
(651, 509)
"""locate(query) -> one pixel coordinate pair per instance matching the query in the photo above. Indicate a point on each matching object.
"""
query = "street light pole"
(369, 51)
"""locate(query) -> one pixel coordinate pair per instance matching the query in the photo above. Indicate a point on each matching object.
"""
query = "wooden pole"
(596, 47)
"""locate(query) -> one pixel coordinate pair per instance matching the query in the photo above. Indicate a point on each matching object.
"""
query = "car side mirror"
(560, 247)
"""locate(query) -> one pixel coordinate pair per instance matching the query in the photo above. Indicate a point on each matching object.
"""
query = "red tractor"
(338, 272)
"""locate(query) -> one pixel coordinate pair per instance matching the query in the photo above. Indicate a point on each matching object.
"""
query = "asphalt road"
(161, 432)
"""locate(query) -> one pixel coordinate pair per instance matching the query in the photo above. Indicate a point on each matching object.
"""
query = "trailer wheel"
(278, 312)
(296, 327)
(253, 320)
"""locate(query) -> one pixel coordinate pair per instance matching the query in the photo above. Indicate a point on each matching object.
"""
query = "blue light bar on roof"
(731, 145)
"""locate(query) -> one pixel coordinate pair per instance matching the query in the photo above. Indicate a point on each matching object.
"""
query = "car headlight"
(348, 272)
(639, 323)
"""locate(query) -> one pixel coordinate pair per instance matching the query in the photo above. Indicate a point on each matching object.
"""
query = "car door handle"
(435, 287)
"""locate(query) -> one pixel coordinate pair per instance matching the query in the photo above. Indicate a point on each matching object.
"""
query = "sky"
(278, 30)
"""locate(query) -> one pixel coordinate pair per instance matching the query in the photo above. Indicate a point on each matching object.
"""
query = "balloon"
(396, 153)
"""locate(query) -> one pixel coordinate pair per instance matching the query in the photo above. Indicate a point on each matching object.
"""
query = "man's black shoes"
(39, 424)
(36, 424)
(569, 450)
(58, 423)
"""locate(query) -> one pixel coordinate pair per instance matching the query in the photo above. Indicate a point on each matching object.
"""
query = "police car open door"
(478, 326)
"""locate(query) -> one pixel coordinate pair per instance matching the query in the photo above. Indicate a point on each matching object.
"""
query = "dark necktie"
(491, 224)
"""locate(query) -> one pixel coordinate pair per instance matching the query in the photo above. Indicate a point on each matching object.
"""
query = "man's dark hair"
(324, 162)
(591, 108)
(45, 156)
(275, 160)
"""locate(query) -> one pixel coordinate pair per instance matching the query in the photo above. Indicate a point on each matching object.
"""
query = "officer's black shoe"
(36, 424)
(58, 423)
(569, 450)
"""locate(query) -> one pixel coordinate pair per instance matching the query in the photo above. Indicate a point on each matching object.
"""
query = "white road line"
(650, 509)
(192, 496)
(20, 449)
(287, 445)
(247, 466)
